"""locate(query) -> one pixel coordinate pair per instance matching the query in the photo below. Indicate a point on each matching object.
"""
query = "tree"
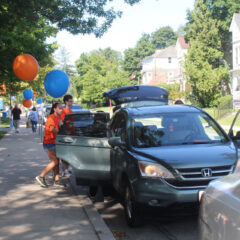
(204, 66)
(163, 37)
(25, 26)
(222, 11)
(99, 71)
(133, 56)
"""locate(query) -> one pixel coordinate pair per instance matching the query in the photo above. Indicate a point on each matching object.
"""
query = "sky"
(144, 17)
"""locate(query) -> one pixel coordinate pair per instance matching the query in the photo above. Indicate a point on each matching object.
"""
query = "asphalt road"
(155, 228)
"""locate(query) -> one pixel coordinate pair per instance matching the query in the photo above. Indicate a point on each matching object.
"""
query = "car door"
(119, 154)
(83, 143)
(234, 131)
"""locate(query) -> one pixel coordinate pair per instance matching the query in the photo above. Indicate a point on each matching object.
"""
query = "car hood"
(137, 93)
(190, 156)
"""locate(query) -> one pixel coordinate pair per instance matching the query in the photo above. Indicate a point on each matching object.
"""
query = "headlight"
(154, 170)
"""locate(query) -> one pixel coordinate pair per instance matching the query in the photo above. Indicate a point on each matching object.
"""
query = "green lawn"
(4, 123)
(2, 134)
(227, 120)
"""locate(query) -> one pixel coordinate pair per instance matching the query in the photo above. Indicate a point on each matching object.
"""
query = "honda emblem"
(206, 172)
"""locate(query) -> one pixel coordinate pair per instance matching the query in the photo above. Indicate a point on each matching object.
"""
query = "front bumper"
(156, 192)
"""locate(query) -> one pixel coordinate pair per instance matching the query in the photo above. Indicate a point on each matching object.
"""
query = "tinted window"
(174, 129)
(119, 127)
(88, 125)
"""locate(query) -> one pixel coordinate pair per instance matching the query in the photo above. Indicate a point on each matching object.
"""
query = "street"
(178, 228)
(172, 228)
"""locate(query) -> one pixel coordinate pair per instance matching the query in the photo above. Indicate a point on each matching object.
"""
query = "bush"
(224, 107)
(225, 102)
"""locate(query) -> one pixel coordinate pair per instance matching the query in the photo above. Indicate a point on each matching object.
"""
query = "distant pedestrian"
(16, 112)
(51, 130)
(178, 102)
(9, 114)
(68, 101)
(33, 116)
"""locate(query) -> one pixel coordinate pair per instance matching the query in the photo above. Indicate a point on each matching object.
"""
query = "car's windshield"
(175, 129)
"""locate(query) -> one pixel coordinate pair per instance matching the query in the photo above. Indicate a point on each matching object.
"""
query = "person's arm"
(53, 129)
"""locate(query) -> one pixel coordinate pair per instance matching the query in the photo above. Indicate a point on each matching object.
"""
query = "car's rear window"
(88, 125)
(175, 129)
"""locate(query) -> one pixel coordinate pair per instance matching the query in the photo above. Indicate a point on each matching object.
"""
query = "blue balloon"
(28, 94)
(56, 83)
(39, 101)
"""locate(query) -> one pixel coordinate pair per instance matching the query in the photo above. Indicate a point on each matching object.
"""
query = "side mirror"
(115, 141)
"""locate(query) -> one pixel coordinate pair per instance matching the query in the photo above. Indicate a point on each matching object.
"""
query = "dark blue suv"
(153, 154)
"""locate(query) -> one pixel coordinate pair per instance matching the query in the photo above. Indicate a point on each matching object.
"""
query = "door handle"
(66, 141)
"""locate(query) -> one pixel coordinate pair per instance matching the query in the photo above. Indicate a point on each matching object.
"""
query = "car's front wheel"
(133, 212)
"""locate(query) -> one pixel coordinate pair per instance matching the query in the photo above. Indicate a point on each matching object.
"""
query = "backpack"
(32, 116)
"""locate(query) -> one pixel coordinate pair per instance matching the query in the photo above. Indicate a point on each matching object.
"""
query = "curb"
(100, 227)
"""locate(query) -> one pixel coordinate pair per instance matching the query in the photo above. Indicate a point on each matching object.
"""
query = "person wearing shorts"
(51, 130)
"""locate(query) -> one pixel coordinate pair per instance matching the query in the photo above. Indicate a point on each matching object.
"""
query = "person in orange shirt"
(51, 130)
(68, 101)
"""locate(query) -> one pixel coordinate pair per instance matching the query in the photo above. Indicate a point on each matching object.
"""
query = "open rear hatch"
(138, 95)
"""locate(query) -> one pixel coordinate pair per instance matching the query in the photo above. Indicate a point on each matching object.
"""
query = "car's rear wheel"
(133, 212)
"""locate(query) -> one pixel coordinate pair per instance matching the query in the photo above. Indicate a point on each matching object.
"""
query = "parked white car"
(219, 216)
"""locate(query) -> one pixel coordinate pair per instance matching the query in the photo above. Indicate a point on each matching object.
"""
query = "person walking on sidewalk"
(68, 101)
(51, 130)
(9, 114)
(16, 112)
(33, 116)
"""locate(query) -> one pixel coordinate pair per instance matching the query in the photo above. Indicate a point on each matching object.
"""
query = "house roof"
(236, 20)
(183, 43)
(170, 51)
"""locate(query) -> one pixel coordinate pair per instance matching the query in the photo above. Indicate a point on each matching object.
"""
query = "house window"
(169, 60)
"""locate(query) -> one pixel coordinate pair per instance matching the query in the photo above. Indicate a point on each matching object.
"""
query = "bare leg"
(53, 165)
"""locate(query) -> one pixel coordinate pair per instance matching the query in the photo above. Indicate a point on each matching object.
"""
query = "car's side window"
(87, 125)
(119, 127)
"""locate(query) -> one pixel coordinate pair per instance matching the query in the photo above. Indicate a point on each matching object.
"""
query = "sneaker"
(59, 184)
(41, 181)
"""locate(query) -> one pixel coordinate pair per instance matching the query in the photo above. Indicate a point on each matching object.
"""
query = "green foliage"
(174, 92)
(99, 71)
(204, 67)
(2, 133)
(222, 11)
(4, 122)
(146, 46)
(225, 102)
(163, 37)
(26, 25)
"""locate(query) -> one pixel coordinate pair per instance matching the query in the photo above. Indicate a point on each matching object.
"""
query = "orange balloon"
(25, 67)
(27, 103)
(34, 94)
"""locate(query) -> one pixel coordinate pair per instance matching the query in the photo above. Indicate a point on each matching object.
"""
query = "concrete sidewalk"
(30, 212)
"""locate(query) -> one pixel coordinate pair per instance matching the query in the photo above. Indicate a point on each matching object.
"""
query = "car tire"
(93, 191)
(132, 210)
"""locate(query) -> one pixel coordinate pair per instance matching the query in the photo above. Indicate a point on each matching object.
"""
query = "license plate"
(200, 193)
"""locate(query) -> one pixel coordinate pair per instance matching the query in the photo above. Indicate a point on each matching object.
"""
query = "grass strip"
(2, 133)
